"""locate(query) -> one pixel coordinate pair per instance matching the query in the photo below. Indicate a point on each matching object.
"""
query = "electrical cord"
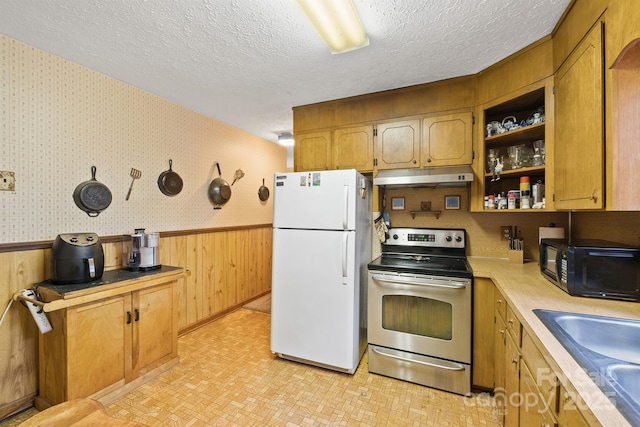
(6, 310)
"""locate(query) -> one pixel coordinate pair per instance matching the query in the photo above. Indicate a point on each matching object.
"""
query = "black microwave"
(592, 268)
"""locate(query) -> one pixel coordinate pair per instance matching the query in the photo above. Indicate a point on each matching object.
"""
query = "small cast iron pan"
(92, 196)
(263, 192)
(170, 182)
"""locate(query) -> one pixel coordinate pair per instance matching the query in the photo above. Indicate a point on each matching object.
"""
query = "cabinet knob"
(415, 161)
(428, 160)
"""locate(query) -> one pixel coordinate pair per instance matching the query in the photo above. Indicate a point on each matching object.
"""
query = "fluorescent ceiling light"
(286, 139)
(337, 22)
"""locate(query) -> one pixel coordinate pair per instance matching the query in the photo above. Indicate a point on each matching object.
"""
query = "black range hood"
(449, 176)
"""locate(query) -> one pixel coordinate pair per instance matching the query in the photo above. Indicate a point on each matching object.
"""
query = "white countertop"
(525, 289)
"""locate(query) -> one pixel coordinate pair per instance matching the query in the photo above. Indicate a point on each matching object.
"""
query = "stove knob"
(448, 238)
(458, 239)
(395, 237)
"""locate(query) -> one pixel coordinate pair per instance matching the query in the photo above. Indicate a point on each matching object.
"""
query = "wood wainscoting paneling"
(227, 268)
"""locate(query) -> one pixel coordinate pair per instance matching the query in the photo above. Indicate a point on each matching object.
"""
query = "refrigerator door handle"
(345, 208)
(345, 252)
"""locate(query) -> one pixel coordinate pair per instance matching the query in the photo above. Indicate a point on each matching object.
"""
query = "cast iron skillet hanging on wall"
(92, 196)
(170, 182)
(263, 192)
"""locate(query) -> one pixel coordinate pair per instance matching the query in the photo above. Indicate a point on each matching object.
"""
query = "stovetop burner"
(438, 252)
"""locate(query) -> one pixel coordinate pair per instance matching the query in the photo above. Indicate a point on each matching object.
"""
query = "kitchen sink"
(611, 337)
(628, 377)
(608, 349)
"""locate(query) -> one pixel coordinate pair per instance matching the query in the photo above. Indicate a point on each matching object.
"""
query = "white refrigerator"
(321, 248)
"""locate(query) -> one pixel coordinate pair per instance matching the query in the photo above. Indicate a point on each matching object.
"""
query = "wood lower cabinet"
(534, 411)
(569, 414)
(483, 332)
(103, 341)
(512, 396)
(527, 387)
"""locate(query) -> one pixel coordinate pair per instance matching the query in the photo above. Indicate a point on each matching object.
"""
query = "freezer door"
(325, 200)
(314, 297)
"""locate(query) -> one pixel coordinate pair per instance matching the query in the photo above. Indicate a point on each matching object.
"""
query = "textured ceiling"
(248, 62)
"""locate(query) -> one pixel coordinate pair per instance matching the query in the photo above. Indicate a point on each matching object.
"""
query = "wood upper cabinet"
(623, 156)
(353, 148)
(532, 137)
(397, 145)
(579, 130)
(447, 140)
(344, 148)
(313, 151)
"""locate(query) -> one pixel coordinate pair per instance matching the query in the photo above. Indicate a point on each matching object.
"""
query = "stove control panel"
(427, 237)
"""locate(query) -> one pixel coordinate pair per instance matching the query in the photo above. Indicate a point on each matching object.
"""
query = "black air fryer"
(76, 258)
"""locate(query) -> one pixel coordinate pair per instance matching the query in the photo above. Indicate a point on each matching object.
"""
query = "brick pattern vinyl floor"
(227, 376)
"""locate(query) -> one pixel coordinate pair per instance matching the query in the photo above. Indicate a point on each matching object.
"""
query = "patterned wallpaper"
(57, 119)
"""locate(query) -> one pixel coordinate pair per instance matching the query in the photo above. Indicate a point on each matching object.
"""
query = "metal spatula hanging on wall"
(135, 174)
(239, 174)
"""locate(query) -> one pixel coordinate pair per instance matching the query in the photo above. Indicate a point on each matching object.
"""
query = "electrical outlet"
(505, 230)
(7, 181)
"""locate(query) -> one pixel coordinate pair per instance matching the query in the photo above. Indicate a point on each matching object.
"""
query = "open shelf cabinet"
(517, 108)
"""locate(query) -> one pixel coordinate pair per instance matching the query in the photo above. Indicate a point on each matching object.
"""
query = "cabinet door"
(579, 134)
(569, 414)
(154, 334)
(483, 331)
(98, 346)
(534, 411)
(512, 383)
(313, 151)
(397, 145)
(499, 365)
(447, 140)
(353, 148)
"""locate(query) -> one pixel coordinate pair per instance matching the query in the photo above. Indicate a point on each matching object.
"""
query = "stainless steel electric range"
(419, 309)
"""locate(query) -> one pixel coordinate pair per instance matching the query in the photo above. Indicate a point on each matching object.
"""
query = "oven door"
(420, 314)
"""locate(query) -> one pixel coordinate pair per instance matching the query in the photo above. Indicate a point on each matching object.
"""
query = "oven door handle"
(419, 282)
(451, 366)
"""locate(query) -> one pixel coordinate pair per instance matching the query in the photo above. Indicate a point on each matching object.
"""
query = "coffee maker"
(141, 251)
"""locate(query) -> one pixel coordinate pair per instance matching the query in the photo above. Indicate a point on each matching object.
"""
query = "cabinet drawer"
(545, 378)
(514, 326)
